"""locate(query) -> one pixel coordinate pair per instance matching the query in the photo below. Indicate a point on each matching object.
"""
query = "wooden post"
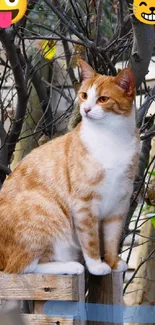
(107, 290)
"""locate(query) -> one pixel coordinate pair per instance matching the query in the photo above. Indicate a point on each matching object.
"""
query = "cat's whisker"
(95, 116)
(131, 7)
(132, 14)
(134, 9)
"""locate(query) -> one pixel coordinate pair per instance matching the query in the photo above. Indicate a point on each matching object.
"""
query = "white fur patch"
(113, 144)
(96, 111)
(121, 267)
(97, 267)
(66, 251)
(30, 268)
(112, 230)
(91, 98)
(100, 269)
(59, 268)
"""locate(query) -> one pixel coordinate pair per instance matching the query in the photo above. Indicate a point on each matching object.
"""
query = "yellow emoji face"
(11, 11)
(144, 11)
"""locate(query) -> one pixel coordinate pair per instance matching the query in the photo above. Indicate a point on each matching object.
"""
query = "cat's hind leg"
(69, 268)
(19, 261)
(63, 260)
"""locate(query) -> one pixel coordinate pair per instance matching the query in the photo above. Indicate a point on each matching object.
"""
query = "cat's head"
(100, 95)
(144, 11)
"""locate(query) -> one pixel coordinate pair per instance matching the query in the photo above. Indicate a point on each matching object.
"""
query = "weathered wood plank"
(44, 320)
(39, 287)
(39, 305)
(81, 287)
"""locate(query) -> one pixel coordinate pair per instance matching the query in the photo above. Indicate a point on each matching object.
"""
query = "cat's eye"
(143, 3)
(84, 95)
(102, 99)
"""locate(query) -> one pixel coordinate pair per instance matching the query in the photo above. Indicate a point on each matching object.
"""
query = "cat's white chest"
(115, 190)
(114, 153)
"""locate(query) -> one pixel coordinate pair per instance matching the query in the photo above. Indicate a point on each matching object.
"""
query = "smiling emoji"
(11, 11)
(145, 11)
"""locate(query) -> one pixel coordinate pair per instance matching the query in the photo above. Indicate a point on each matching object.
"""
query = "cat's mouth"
(150, 17)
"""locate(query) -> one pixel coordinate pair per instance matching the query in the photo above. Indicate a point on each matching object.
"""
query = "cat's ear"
(87, 70)
(125, 80)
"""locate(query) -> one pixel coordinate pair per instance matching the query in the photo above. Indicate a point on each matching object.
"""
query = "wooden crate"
(42, 288)
(51, 288)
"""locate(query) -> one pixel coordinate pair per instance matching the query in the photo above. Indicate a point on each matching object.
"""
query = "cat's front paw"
(100, 269)
(121, 266)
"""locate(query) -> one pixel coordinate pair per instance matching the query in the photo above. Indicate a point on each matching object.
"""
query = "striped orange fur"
(52, 204)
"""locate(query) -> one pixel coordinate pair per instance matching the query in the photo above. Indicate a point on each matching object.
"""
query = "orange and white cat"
(53, 203)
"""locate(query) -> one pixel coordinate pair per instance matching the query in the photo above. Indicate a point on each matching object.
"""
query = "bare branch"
(21, 91)
(137, 269)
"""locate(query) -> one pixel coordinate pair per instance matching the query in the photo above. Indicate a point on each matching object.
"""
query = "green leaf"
(153, 173)
(153, 222)
(152, 216)
(146, 207)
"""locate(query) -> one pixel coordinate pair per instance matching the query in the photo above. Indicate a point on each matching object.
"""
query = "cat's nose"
(87, 109)
(152, 9)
